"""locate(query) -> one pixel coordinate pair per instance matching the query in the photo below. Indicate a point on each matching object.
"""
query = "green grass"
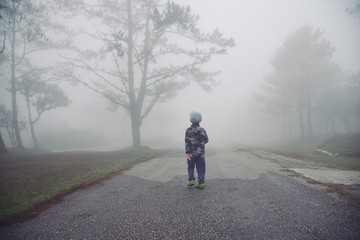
(345, 145)
(28, 180)
(304, 150)
(345, 163)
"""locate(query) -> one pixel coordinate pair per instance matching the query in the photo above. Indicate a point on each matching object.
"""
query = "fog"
(258, 27)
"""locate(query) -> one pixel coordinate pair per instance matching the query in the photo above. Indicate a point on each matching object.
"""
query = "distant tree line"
(306, 86)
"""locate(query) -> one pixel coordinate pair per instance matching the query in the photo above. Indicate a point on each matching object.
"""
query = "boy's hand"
(189, 156)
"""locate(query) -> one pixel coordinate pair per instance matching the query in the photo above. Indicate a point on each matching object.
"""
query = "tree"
(276, 101)
(7, 122)
(353, 89)
(25, 23)
(42, 97)
(302, 67)
(149, 51)
(355, 10)
(340, 102)
(2, 144)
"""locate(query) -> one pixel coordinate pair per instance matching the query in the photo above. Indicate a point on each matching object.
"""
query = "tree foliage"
(355, 10)
(302, 68)
(26, 26)
(40, 96)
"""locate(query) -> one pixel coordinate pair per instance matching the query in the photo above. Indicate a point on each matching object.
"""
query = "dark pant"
(199, 162)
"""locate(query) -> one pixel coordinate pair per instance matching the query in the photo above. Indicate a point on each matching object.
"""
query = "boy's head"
(195, 117)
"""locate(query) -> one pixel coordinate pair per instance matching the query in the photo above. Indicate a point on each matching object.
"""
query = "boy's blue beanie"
(195, 117)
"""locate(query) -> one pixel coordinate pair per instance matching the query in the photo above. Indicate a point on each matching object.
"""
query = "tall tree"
(149, 50)
(6, 122)
(2, 144)
(3, 148)
(302, 66)
(25, 23)
(275, 100)
(40, 96)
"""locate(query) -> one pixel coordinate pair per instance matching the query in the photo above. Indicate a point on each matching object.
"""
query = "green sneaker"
(191, 183)
(200, 186)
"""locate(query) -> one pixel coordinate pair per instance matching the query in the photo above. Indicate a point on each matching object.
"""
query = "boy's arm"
(187, 146)
(206, 138)
(187, 142)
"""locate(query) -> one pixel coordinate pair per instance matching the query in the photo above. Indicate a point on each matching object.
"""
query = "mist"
(259, 28)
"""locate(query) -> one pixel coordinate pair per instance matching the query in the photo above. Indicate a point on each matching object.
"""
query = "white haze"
(258, 27)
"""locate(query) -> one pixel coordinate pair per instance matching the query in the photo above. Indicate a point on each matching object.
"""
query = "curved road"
(249, 195)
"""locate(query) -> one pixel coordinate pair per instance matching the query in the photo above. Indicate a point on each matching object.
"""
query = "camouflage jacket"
(195, 140)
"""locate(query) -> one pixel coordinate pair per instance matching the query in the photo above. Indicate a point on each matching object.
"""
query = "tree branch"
(150, 106)
(112, 99)
(120, 74)
(95, 71)
(3, 47)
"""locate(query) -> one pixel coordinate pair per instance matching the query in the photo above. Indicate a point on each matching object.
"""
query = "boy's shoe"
(191, 183)
(200, 186)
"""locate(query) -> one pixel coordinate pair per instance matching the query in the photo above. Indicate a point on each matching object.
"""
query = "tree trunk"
(289, 128)
(346, 121)
(301, 122)
(135, 126)
(2, 145)
(137, 104)
(33, 136)
(36, 145)
(332, 126)
(308, 116)
(328, 126)
(135, 112)
(289, 123)
(309, 125)
(13, 88)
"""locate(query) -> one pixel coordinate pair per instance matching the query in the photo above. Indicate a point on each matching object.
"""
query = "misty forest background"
(129, 60)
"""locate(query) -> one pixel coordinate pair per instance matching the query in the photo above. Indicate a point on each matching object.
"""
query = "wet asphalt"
(246, 197)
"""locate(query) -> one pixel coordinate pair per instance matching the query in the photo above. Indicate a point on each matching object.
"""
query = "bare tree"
(149, 50)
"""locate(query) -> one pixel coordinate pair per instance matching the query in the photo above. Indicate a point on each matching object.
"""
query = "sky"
(258, 27)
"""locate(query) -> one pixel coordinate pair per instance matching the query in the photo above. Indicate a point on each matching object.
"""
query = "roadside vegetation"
(344, 155)
(343, 145)
(29, 180)
(345, 151)
(345, 163)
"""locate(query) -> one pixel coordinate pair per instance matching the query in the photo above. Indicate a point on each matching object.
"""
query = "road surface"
(248, 195)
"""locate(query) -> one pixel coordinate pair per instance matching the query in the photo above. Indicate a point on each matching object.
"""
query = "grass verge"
(345, 163)
(29, 180)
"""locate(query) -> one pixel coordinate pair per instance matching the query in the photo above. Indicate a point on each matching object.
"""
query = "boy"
(195, 140)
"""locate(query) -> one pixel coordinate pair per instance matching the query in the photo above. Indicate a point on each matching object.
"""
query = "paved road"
(248, 196)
